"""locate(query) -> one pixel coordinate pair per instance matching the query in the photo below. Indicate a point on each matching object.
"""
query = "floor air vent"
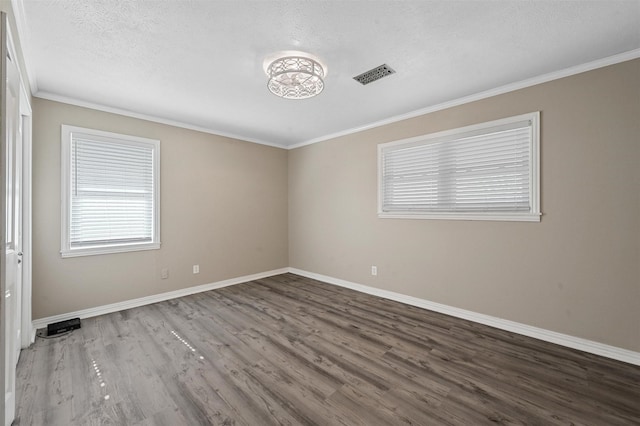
(63, 326)
(374, 74)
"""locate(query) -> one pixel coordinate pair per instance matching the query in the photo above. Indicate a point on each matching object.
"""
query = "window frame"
(533, 215)
(67, 134)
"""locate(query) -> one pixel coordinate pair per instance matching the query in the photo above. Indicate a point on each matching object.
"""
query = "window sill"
(508, 217)
(91, 251)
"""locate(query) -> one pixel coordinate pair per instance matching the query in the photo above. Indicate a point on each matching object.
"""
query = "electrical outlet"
(196, 269)
(374, 270)
(164, 273)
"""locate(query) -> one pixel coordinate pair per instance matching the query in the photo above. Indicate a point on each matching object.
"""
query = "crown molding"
(73, 101)
(567, 72)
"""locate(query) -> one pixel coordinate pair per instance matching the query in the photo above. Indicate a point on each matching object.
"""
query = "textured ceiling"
(201, 62)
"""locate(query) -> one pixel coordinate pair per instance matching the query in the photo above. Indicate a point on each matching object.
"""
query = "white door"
(12, 188)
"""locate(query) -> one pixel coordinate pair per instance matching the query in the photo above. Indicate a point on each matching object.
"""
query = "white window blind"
(112, 199)
(488, 171)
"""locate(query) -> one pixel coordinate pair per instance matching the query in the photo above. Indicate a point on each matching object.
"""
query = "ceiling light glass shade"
(295, 77)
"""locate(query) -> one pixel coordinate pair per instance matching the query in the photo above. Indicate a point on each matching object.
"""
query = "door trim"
(27, 337)
(3, 207)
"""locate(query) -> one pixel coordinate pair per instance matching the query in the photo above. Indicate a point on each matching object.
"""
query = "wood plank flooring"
(289, 350)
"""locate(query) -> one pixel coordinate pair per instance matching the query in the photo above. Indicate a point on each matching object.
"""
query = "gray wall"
(576, 272)
(223, 206)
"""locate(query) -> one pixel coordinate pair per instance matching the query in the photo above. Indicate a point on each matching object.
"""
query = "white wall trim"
(27, 228)
(567, 72)
(573, 342)
(561, 339)
(147, 300)
(72, 101)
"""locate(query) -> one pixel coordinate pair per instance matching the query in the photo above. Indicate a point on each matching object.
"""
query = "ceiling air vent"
(374, 74)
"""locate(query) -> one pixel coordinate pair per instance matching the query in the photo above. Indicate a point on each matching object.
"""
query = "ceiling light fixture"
(295, 77)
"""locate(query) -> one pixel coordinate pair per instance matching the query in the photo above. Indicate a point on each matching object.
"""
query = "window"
(110, 192)
(484, 172)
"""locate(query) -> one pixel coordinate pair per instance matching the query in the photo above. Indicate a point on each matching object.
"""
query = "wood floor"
(288, 350)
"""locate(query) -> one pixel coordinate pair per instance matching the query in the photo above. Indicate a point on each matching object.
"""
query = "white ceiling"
(200, 63)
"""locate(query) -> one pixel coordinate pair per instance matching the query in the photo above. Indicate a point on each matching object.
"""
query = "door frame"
(26, 322)
(3, 207)
(27, 336)
(28, 333)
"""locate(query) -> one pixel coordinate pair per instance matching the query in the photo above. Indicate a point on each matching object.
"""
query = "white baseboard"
(134, 303)
(573, 342)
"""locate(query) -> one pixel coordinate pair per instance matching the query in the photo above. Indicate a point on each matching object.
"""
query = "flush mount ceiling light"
(295, 77)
